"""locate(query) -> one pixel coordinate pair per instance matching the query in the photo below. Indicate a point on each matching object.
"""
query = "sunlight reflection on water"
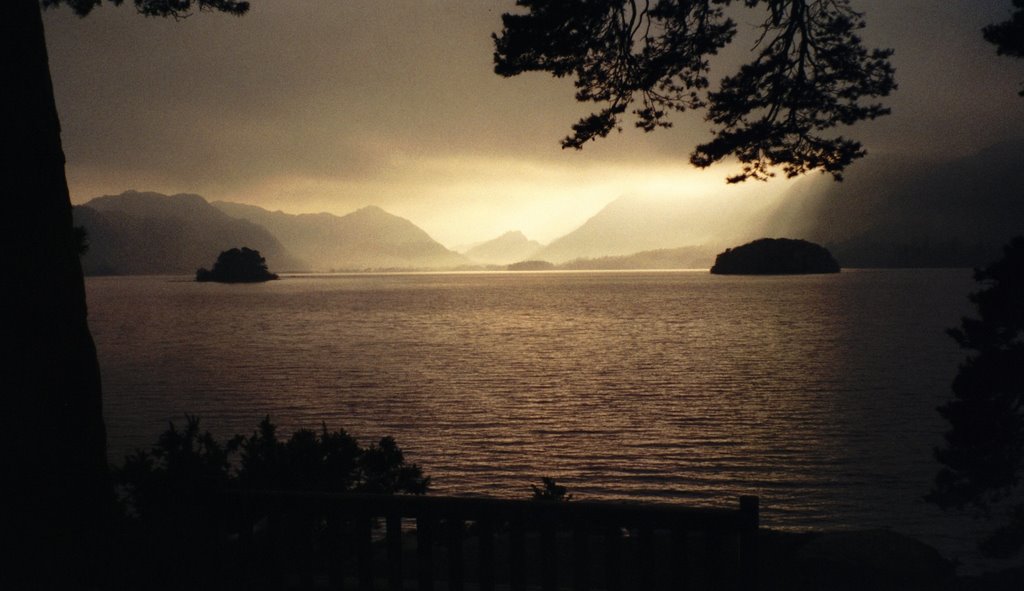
(815, 392)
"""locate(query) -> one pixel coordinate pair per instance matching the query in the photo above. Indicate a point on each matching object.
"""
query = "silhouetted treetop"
(174, 494)
(173, 8)
(1008, 36)
(187, 467)
(988, 381)
(811, 73)
(330, 461)
(775, 256)
(983, 456)
(237, 266)
(550, 491)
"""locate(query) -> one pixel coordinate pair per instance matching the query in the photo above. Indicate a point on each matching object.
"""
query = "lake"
(817, 393)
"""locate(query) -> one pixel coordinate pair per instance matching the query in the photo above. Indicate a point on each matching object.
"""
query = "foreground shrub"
(172, 492)
(325, 461)
(187, 467)
(983, 456)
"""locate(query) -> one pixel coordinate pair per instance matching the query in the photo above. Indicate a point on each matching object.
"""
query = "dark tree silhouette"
(187, 467)
(811, 73)
(175, 492)
(326, 461)
(1008, 36)
(983, 458)
(775, 256)
(549, 490)
(54, 460)
(237, 266)
(173, 8)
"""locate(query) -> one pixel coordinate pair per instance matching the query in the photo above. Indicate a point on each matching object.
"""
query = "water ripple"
(817, 393)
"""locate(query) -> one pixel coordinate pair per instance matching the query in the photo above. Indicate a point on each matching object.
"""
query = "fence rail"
(312, 540)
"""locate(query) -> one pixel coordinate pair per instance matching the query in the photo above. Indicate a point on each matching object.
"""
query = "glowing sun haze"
(313, 105)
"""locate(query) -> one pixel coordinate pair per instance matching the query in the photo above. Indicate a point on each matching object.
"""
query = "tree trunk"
(54, 442)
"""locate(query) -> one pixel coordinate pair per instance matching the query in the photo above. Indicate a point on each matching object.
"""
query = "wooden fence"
(301, 540)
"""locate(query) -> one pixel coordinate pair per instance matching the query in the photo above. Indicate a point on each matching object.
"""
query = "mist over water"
(817, 393)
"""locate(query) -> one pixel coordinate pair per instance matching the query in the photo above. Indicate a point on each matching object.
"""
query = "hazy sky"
(331, 105)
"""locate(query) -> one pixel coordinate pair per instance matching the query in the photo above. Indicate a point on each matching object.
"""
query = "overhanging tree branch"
(171, 8)
(1008, 36)
(810, 75)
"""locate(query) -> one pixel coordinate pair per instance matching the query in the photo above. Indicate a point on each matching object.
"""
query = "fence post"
(645, 555)
(548, 552)
(485, 529)
(425, 550)
(275, 563)
(580, 555)
(517, 553)
(680, 575)
(570, 528)
(337, 547)
(455, 566)
(394, 544)
(364, 551)
(750, 512)
(613, 558)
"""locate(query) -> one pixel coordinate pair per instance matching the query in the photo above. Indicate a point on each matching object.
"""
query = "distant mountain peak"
(368, 238)
(370, 209)
(373, 214)
(150, 203)
(139, 232)
(510, 247)
(912, 212)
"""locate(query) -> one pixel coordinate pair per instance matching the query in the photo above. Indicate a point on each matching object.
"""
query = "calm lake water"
(817, 393)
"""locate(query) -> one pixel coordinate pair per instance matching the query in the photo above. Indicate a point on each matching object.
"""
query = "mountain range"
(684, 257)
(891, 213)
(369, 238)
(902, 213)
(148, 233)
(634, 223)
(151, 233)
(508, 248)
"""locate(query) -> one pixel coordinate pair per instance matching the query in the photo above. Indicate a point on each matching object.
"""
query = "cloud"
(333, 105)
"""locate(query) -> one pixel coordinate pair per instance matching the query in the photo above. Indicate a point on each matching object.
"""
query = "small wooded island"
(775, 256)
(237, 266)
